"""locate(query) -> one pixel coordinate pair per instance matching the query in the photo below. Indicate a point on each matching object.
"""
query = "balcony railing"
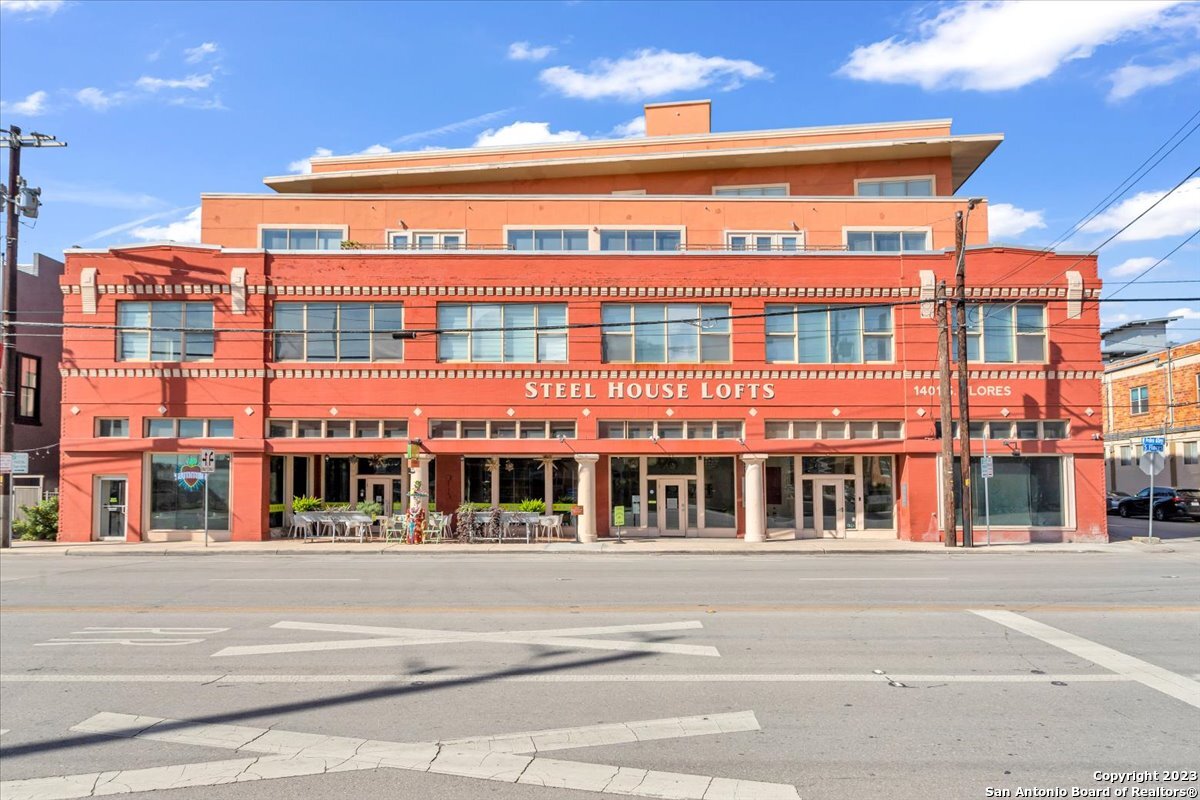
(686, 248)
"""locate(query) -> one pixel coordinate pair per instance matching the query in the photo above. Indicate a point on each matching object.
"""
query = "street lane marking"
(408, 637)
(558, 607)
(1157, 678)
(279, 580)
(131, 642)
(506, 758)
(416, 680)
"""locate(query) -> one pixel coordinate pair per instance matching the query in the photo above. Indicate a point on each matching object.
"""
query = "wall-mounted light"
(1013, 447)
(654, 439)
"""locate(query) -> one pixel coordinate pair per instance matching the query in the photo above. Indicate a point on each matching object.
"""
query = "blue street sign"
(1153, 444)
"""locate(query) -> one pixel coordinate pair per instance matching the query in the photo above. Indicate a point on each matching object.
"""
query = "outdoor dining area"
(420, 527)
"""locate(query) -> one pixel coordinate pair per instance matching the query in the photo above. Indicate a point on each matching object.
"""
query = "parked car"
(1114, 500)
(1168, 503)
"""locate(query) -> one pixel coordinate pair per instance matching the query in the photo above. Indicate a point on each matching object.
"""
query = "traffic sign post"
(208, 465)
(1152, 463)
(987, 468)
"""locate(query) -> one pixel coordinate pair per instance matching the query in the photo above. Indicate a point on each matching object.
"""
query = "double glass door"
(833, 506)
(387, 492)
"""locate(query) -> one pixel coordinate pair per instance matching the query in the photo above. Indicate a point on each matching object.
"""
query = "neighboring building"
(1157, 394)
(1134, 338)
(36, 425)
(713, 334)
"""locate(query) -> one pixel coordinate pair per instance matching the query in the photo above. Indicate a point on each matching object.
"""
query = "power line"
(1156, 263)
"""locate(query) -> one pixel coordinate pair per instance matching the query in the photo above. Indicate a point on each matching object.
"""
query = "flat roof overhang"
(966, 153)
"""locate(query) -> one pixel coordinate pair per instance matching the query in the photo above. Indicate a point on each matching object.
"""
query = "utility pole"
(949, 534)
(964, 414)
(17, 200)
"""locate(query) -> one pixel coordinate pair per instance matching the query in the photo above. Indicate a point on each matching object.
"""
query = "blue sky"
(163, 101)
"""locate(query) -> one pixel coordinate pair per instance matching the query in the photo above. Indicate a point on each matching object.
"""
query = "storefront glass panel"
(563, 487)
(1024, 491)
(780, 475)
(626, 485)
(275, 492)
(336, 485)
(877, 493)
(671, 465)
(177, 493)
(828, 465)
(477, 481)
(720, 510)
(521, 479)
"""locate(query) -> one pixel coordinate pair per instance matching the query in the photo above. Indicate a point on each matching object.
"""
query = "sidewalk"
(732, 547)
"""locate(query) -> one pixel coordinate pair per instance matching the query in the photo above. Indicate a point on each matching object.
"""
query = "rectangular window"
(1024, 491)
(886, 241)
(548, 239)
(430, 240)
(665, 333)
(177, 493)
(113, 428)
(338, 331)
(502, 332)
(1126, 455)
(1139, 400)
(29, 389)
(164, 331)
(500, 429)
(763, 190)
(901, 187)
(1191, 453)
(650, 241)
(808, 334)
(278, 238)
(1005, 333)
(765, 241)
(185, 427)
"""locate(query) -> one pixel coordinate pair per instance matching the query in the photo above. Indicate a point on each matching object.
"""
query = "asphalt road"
(871, 676)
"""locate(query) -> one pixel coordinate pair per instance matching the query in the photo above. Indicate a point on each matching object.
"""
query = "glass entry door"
(388, 492)
(829, 514)
(110, 500)
(672, 507)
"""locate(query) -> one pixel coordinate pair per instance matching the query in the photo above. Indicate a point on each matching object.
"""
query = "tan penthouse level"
(849, 187)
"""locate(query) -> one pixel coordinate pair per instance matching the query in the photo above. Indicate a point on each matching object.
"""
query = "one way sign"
(208, 461)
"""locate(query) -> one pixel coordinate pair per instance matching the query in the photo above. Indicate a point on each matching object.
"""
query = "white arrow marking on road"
(502, 758)
(135, 642)
(408, 637)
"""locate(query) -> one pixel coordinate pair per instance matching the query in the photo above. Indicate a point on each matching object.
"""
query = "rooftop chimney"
(677, 119)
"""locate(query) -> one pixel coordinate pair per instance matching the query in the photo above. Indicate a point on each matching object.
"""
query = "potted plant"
(305, 503)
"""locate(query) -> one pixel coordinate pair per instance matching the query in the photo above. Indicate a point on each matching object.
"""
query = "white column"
(585, 526)
(756, 516)
(419, 475)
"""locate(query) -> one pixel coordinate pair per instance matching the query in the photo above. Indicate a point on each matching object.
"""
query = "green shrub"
(531, 505)
(370, 508)
(304, 503)
(41, 521)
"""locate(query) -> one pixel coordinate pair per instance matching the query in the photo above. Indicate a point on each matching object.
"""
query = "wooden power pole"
(949, 534)
(964, 414)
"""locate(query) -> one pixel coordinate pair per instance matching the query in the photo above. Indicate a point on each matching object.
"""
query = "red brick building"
(695, 333)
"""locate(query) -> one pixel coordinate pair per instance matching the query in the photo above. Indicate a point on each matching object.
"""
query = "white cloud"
(99, 197)
(32, 106)
(525, 133)
(1133, 266)
(1001, 44)
(31, 7)
(303, 165)
(203, 103)
(1133, 78)
(191, 82)
(451, 127)
(1006, 221)
(524, 51)
(183, 230)
(651, 73)
(98, 99)
(634, 127)
(374, 150)
(194, 55)
(1176, 215)
(1185, 313)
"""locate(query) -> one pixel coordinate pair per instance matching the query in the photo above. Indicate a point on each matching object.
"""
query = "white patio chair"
(550, 525)
(435, 527)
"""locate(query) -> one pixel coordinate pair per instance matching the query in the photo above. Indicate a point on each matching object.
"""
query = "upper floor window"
(759, 190)
(640, 241)
(900, 187)
(29, 389)
(188, 428)
(117, 427)
(834, 429)
(1006, 333)
(303, 238)
(886, 241)
(427, 240)
(808, 334)
(338, 331)
(164, 331)
(1139, 400)
(337, 429)
(548, 239)
(501, 429)
(670, 429)
(765, 241)
(665, 333)
(501, 332)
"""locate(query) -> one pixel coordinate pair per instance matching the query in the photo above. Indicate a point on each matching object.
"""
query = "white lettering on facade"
(649, 390)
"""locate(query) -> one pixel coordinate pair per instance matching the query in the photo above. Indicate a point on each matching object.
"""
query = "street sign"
(208, 461)
(987, 467)
(16, 463)
(619, 516)
(1153, 444)
(1152, 462)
